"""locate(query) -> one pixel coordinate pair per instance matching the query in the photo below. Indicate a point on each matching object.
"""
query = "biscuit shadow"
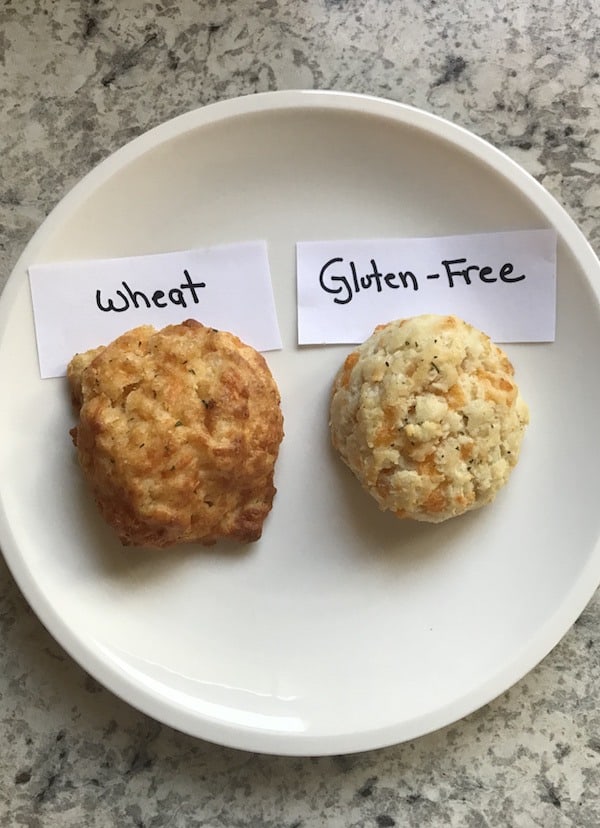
(141, 563)
(381, 534)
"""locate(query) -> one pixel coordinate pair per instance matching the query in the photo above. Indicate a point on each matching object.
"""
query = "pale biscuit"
(178, 434)
(427, 415)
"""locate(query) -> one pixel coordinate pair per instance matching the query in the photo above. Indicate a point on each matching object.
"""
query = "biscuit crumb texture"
(178, 434)
(428, 416)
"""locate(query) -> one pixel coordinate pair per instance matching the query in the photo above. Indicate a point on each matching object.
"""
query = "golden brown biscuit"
(75, 370)
(427, 415)
(178, 434)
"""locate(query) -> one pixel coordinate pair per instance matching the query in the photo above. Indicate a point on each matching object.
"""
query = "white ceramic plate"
(342, 629)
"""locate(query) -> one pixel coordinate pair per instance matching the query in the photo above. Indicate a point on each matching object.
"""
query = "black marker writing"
(180, 295)
(345, 285)
(484, 273)
(506, 270)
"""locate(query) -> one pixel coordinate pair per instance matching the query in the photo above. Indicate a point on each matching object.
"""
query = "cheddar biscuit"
(178, 433)
(428, 416)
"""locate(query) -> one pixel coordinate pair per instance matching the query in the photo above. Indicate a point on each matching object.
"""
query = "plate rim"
(94, 660)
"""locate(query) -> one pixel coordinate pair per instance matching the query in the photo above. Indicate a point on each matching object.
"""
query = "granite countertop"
(82, 77)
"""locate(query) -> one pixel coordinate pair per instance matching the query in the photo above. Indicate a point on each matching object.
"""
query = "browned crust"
(178, 434)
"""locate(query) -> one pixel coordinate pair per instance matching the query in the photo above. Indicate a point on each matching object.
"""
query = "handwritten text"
(341, 279)
(158, 298)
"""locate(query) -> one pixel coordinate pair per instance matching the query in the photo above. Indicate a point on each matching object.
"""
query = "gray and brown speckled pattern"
(78, 79)
(74, 755)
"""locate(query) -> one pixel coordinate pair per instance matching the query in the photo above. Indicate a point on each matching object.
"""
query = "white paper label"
(503, 283)
(80, 305)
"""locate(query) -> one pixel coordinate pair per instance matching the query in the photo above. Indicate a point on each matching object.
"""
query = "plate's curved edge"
(356, 103)
(283, 744)
(261, 741)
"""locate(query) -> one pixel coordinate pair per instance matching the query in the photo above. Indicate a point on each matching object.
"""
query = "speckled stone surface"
(79, 78)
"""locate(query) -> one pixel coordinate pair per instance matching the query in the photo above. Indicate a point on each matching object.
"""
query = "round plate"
(343, 629)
